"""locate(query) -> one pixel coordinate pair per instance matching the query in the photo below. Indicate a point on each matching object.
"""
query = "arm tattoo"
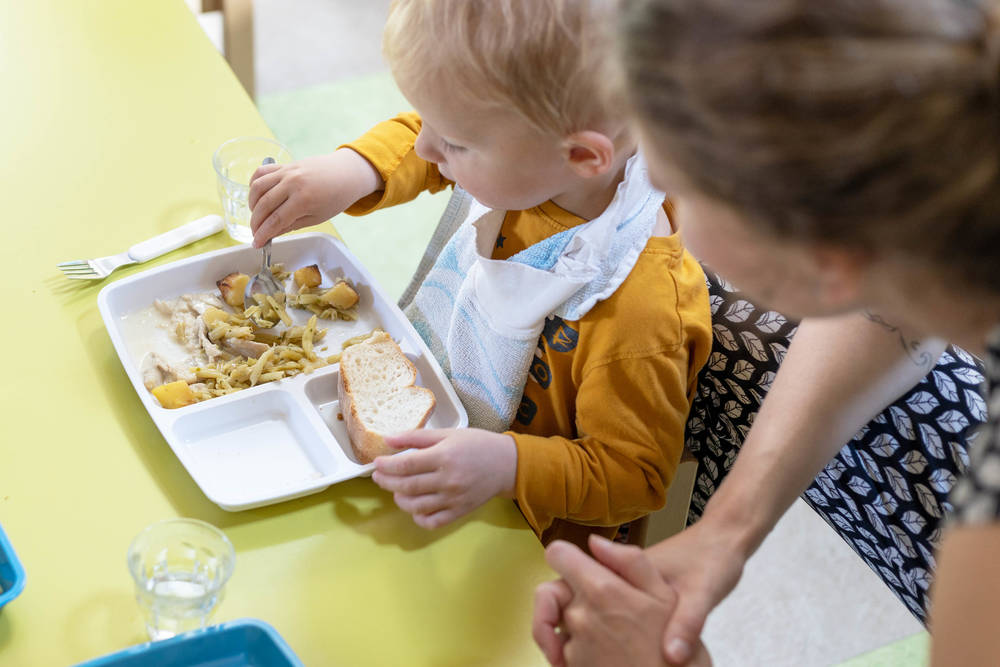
(913, 348)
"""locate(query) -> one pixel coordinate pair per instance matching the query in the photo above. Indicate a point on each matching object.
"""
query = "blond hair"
(541, 58)
(865, 124)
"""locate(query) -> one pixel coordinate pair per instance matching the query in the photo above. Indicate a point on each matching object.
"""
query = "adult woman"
(867, 149)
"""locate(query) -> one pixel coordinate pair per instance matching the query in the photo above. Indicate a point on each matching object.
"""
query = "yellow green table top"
(111, 111)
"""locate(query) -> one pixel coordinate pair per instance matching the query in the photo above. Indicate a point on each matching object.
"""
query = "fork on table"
(96, 269)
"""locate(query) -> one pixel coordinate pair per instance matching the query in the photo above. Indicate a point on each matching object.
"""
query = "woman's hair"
(869, 124)
(542, 59)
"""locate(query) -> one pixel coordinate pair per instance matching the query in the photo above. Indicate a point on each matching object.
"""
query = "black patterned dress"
(887, 490)
(976, 497)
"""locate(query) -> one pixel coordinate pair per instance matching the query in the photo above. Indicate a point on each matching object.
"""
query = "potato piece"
(175, 395)
(308, 276)
(340, 296)
(232, 288)
(213, 316)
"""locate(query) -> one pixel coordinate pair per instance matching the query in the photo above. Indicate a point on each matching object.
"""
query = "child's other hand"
(307, 192)
(449, 473)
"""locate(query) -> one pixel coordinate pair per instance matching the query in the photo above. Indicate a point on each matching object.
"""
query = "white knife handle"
(175, 238)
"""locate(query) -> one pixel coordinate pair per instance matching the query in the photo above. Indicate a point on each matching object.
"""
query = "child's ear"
(589, 153)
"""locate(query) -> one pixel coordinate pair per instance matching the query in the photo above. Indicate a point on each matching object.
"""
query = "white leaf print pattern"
(932, 440)
(885, 503)
(922, 402)
(705, 485)
(976, 403)
(816, 496)
(725, 337)
(960, 455)
(913, 522)
(859, 486)
(927, 555)
(866, 549)
(715, 301)
(945, 385)
(717, 362)
(921, 577)
(914, 462)
(827, 485)
(875, 522)
(841, 523)
(753, 345)
(968, 376)
(942, 481)
(953, 421)
(779, 351)
(898, 484)
(770, 321)
(867, 535)
(892, 556)
(888, 575)
(851, 505)
(739, 311)
(963, 355)
(742, 369)
(902, 422)
(868, 463)
(885, 445)
(835, 468)
(738, 392)
(766, 380)
(928, 500)
(903, 541)
(731, 458)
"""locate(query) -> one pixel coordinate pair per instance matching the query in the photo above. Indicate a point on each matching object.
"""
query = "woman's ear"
(839, 278)
(589, 153)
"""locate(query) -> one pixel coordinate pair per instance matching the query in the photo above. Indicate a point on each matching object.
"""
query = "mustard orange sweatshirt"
(600, 428)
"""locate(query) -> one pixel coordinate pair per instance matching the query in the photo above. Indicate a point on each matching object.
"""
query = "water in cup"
(180, 567)
(235, 162)
(176, 602)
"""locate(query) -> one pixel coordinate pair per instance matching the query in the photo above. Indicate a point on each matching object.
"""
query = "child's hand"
(307, 192)
(453, 472)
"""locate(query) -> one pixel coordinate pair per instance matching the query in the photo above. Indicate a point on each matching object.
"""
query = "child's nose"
(426, 150)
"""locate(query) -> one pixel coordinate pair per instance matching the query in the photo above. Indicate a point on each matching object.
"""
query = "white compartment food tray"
(283, 439)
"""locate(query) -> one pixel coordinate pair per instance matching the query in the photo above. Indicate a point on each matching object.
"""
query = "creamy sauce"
(149, 330)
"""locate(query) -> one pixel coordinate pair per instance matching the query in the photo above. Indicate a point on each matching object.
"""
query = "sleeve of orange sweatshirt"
(389, 148)
(631, 414)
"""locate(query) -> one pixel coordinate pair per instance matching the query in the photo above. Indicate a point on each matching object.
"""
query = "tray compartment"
(259, 447)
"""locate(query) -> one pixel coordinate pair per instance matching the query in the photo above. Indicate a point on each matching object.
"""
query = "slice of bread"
(378, 395)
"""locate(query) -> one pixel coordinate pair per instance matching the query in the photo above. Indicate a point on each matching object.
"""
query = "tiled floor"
(805, 599)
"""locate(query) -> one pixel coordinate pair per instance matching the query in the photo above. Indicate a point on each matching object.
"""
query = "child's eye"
(450, 147)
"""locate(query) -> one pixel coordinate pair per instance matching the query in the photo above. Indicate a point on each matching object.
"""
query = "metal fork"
(97, 269)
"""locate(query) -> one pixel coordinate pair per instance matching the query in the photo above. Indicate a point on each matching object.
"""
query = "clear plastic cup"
(234, 163)
(180, 568)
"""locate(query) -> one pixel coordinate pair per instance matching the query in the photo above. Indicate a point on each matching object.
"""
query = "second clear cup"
(235, 162)
(180, 567)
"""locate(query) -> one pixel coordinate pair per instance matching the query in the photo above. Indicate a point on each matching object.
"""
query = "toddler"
(555, 293)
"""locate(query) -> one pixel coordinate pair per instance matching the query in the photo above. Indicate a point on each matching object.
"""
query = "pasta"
(243, 355)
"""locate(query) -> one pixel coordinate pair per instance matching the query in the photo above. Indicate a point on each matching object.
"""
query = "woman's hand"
(450, 473)
(608, 610)
(307, 192)
(702, 565)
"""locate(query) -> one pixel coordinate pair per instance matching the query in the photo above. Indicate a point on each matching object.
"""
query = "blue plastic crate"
(11, 572)
(244, 643)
